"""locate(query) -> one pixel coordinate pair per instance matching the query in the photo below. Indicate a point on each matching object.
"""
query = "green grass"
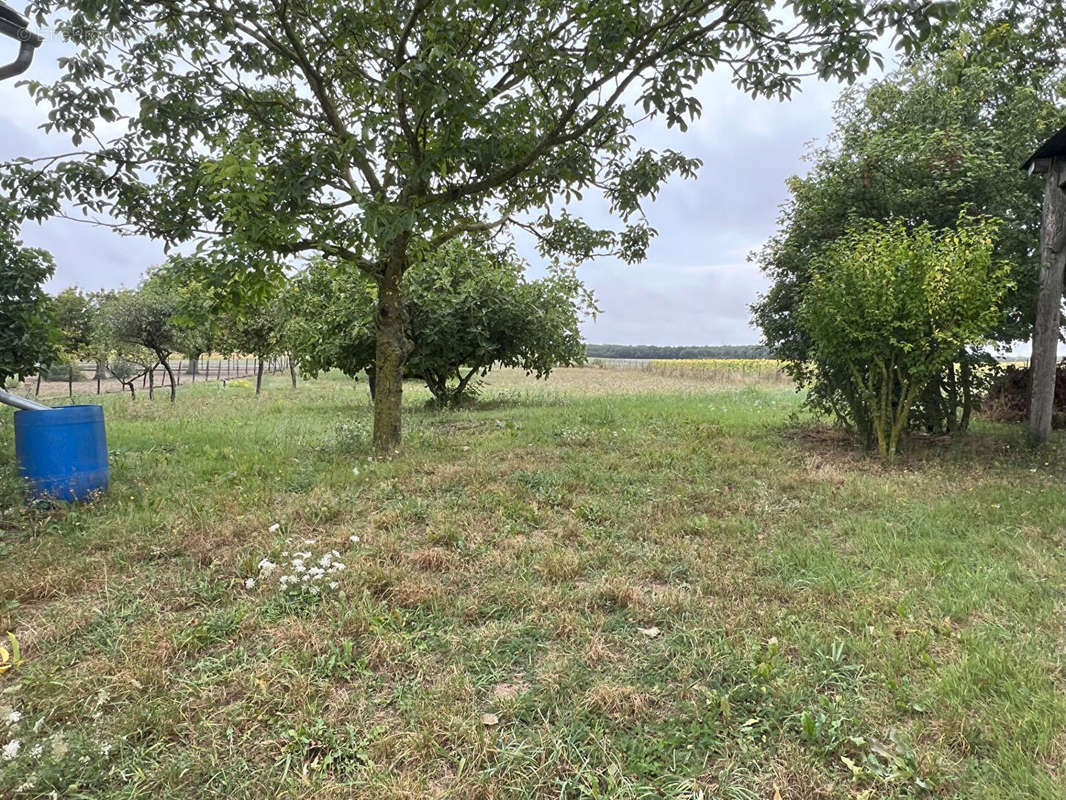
(655, 588)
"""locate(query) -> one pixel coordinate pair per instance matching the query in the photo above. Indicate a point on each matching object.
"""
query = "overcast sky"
(695, 287)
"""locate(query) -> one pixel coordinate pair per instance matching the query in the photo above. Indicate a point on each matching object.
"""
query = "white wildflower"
(325, 560)
(337, 566)
(310, 541)
(298, 565)
(275, 527)
(13, 717)
(250, 583)
(37, 750)
(11, 749)
(267, 567)
(333, 584)
(105, 749)
(353, 539)
(355, 470)
(27, 785)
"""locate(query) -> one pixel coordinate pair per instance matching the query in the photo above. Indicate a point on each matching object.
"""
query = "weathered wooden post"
(1050, 161)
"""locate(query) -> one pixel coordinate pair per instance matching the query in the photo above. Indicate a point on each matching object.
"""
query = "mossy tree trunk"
(392, 349)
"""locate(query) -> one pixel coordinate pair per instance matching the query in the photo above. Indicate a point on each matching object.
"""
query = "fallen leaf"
(651, 632)
(488, 720)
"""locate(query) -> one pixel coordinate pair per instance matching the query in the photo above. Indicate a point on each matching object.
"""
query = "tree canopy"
(28, 335)
(73, 312)
(373, 132)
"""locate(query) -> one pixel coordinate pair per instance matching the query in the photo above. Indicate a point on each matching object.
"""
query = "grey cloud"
(653, 304)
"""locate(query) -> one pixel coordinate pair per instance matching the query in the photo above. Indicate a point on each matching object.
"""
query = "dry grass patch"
(433, 559)
(619, 702)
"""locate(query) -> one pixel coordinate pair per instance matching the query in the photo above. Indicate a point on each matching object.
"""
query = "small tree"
(28, 332)
(74, 320)
(468, 310)
(258, 331)
(199, 318)
(145, 318)
(887, 309)
(128, 364)
(125, 362)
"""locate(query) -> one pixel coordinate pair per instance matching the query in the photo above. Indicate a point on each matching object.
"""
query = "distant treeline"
(655, 351)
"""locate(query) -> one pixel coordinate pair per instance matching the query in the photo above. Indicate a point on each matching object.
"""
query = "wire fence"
(87, 378)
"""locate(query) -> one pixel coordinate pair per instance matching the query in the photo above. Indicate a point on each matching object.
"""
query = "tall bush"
(888, 309)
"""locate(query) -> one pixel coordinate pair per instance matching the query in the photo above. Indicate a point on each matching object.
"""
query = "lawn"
(611, 585)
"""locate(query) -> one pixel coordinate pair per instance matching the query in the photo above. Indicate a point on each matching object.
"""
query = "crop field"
(738, 370)
(722, 371)
(612, 584)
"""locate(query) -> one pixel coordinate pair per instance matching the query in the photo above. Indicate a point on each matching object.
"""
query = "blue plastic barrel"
(62, 453)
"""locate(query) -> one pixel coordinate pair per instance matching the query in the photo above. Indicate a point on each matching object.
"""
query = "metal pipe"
(14, 25)
(24, 403)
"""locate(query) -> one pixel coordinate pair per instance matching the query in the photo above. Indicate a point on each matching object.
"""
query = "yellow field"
(731, 370)
(721, 370)
(725, 370)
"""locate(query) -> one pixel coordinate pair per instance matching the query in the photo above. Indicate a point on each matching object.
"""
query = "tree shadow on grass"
(988, 444)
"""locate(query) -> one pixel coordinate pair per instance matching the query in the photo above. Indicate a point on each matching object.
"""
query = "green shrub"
(889, 309)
